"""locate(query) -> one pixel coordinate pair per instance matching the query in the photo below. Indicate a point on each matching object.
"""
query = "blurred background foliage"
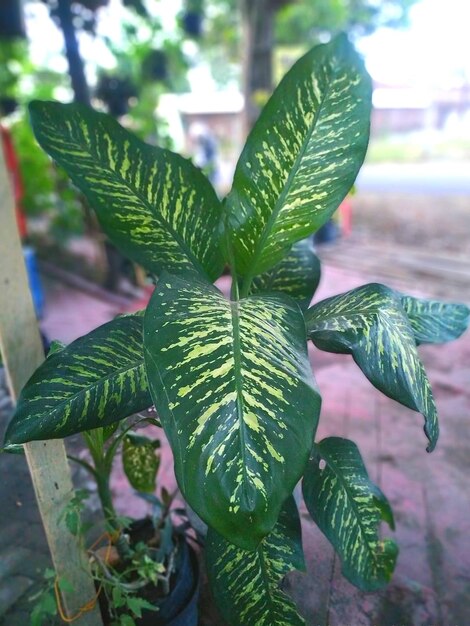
(152, 56)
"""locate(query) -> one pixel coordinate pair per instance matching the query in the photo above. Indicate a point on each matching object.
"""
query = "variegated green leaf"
(95, 381)
(298, 274)
(435, 322)
(154, 205)
(348, 508)
(301, 158)
(140, 461)
(370, 323)
(245, 584)
(234, 390)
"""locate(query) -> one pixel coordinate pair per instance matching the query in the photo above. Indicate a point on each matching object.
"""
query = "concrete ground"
(428, 492)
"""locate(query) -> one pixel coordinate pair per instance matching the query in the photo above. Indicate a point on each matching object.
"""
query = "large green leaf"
(153, 204)
(301, 158)
(298, 274)
(140, 461)
(370, 323)
(95, 381)
(433, 321)
(348, 508)
(245, 583)
(235, 393)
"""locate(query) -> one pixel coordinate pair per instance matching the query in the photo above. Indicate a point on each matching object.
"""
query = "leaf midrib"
(286, 188)
(345, 314)
(100, 381)
(266, 580)
(237, 366)
(346, 488)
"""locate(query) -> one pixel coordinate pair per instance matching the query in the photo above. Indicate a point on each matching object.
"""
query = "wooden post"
(22, 353)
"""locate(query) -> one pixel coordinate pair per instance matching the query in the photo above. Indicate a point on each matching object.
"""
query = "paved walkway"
(429, 493)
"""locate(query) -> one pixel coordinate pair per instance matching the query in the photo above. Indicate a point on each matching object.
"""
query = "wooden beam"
(21, 348)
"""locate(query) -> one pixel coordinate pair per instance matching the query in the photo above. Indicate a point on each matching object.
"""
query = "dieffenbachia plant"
(230, 378)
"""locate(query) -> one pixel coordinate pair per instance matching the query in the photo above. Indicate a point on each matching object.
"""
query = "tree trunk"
(258, 24)
(72, 51)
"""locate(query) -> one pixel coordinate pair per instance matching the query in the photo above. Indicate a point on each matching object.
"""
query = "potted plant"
(193, 17)
(115, 92)
(155, 66)
(147, 573)
(230, 378)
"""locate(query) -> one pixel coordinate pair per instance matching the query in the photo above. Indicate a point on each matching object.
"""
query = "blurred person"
(204, 148)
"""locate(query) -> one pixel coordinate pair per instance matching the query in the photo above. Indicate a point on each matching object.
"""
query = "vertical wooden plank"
(22, 352)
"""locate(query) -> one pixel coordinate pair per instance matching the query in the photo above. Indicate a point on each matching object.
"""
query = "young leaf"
(140, 462)
(95, 381)
(245, 584)
(370, 323)
(137, 605)
(126, 620)
(302, 156)
(154, 205)
(298, 274)
(235, 393)
(433, 321)
(348, 508)
(118, 599)
(65, 586)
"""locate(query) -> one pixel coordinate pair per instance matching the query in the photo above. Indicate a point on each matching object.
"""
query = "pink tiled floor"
(429, 493)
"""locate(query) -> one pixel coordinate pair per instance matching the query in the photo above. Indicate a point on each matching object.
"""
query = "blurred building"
(216, 115)
(405, 108)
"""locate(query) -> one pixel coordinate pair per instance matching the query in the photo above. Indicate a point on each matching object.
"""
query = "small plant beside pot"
(230, 378)
(146, 573)
(150, 568)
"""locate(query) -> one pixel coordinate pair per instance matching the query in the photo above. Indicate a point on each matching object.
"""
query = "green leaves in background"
(154, 205)
(140, 461)
(302, 156)
(235, 394)
(348, 508)
(370, 323)
(95, 381)
(433, 321)
(298, 274)
(245, 583)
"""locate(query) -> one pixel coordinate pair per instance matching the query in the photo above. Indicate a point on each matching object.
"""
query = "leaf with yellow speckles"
(154, 205)
(140, 461)
(95, 381)
(370, 323)
(433, 321)
(245, 584)
(298, 274)
(301, 158)
(235, 394)
(348, 509)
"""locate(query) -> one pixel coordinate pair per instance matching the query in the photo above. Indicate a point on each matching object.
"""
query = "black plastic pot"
(8, 105)
(11, 19)
(179, 607)
(156, 65)
(192, 23)
(115, 92)
(328, 233)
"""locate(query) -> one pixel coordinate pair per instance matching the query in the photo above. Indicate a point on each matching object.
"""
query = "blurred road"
(434, 178)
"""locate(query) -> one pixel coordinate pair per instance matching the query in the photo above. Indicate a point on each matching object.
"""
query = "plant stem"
(104, 494)
(110, 515)
(234, 295)
(245, 289)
